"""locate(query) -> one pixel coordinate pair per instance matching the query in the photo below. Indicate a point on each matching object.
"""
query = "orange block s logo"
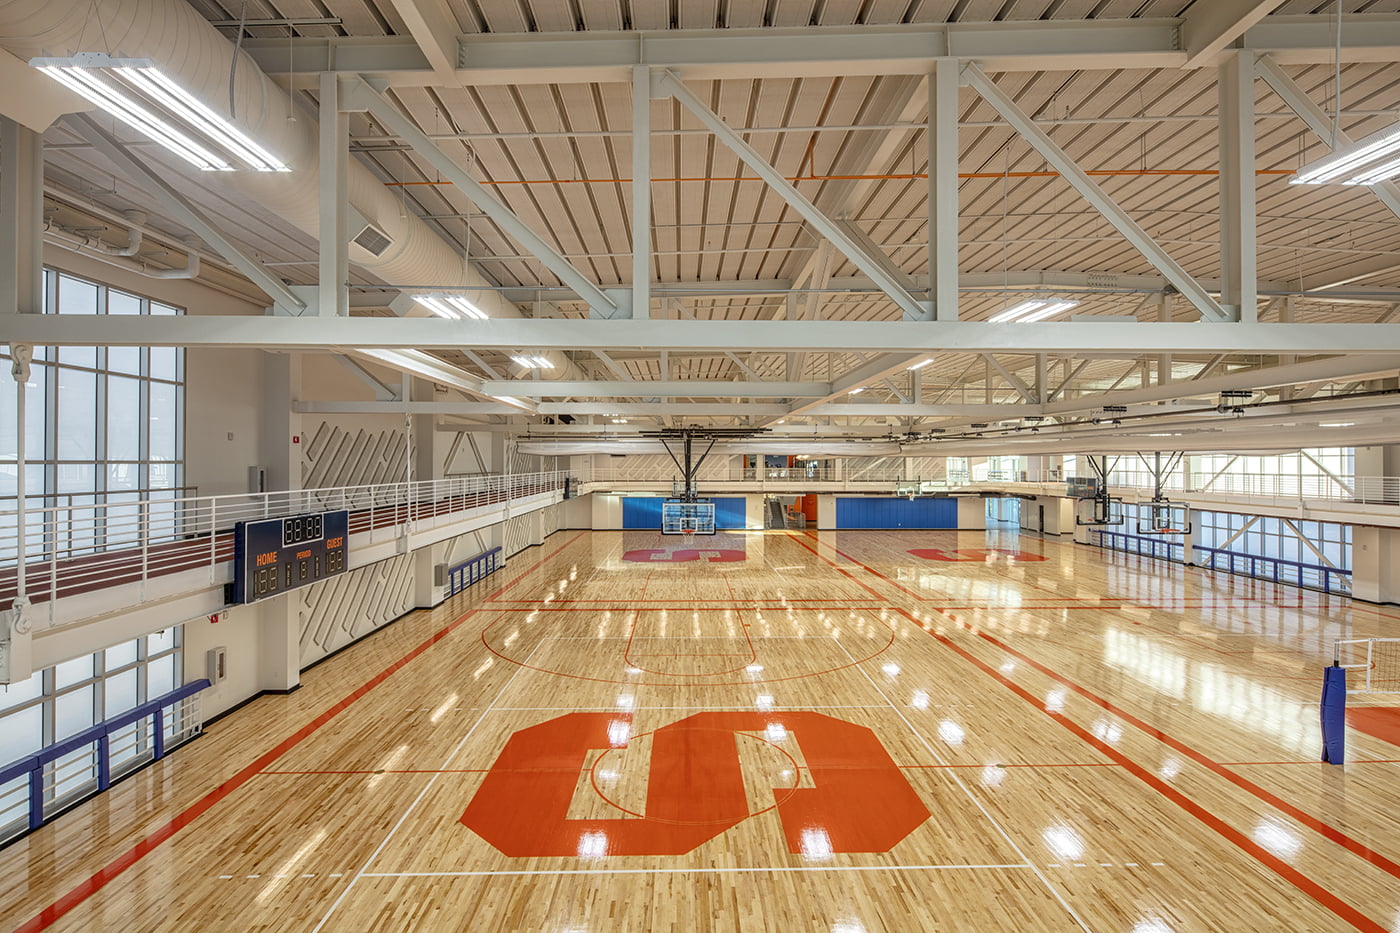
(860, 801)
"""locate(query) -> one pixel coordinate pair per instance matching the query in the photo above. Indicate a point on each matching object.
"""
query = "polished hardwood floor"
(837, 731)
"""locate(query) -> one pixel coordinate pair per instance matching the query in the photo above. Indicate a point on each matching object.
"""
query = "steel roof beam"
(669, 83)
(1208, 29)
(900, 337)
(820, 51)
(396, 122)
(183, 211)
(1078, 179)
(543, 388)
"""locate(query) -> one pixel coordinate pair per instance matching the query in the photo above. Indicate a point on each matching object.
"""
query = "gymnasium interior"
(858, 466)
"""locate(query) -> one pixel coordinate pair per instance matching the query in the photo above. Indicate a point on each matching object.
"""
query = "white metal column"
(943, 84)
(1238, 262)
(641, 192)
(335, 202)
(21, 219)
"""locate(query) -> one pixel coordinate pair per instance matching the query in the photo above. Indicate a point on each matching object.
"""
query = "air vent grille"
(372, 239)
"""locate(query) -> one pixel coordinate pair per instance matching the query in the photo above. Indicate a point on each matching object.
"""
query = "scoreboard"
(275, 555)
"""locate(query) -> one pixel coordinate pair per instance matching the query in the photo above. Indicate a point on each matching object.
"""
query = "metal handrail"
(74, 548)
(460, 576)
(98, 740)
(1233, 559)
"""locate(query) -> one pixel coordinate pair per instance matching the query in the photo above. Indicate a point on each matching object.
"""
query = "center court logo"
(858, 801)
(717, 555)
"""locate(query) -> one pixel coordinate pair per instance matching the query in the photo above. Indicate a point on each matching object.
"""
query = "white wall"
(607, 511)
(972, 513)
(1059, 514)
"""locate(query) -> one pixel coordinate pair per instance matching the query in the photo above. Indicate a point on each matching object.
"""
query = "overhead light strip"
(1365, 162)
(1035, 309)
(137, 93)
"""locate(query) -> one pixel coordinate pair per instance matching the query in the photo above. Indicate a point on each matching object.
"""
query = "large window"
(1316, 555)
(103, 425)
(60, 702)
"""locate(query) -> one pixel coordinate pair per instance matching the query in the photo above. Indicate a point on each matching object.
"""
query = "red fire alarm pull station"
(296, 438)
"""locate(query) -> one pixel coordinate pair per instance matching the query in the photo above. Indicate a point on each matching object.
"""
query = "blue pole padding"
(1334, 714)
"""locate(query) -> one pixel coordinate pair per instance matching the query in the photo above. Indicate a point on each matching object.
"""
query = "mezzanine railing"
(78, 547)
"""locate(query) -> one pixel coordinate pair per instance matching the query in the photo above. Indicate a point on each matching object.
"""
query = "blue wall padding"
(896, 512)
(730, 513)
(643, 513)
(1334, 715)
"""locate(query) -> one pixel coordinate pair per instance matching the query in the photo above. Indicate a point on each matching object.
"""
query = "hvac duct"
(186, 47)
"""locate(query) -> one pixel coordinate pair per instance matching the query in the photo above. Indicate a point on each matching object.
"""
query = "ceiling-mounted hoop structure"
(1164, 517)
(1105, 510)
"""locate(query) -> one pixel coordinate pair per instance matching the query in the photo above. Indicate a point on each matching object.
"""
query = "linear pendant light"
(1365, 162)
(136, 92)
(1035, 309)
(451, 306)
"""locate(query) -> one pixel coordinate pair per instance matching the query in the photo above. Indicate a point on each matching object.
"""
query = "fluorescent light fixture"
(1035, 309)
(919, 365)
(136, 92)
(1338, 424)
(451, 306)
(619, 421)
(1364, 162)
(531, 361)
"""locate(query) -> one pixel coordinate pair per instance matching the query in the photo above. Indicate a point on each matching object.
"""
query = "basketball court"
(846, 731)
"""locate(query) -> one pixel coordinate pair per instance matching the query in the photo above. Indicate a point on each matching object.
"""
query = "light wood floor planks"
(830, 733)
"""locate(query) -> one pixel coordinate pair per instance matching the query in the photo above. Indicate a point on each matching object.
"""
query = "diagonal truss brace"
(183, 211)
(363, 96)
(1039, 140)
(669, 83)
(1297, 100)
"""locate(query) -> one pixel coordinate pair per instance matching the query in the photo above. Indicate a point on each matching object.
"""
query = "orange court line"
(1242, 841)
(51, 914)
(1326, 830)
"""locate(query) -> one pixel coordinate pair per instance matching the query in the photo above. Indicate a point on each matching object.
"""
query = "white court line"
(678, 871)
(423, 793)
(639, 707)
(952, 773)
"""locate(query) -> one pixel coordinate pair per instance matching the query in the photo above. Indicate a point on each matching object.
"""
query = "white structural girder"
(334, 144)
(1267, 67)
(641, 192)
(1106, 338)
(1029, 280)
(435, 30)
(789, 193)
(1078, 179)
(1340, 367)
(943, 83)
(1208, 28)
(1238, 237)
(683, 388)
(183, 211)
(1011, 379)
(915, 410)
(863, 375)
(418, 363)
(21, 219)
(818, 51)
(396, 122)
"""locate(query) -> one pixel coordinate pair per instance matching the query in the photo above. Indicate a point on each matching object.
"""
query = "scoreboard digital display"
(276, 555)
